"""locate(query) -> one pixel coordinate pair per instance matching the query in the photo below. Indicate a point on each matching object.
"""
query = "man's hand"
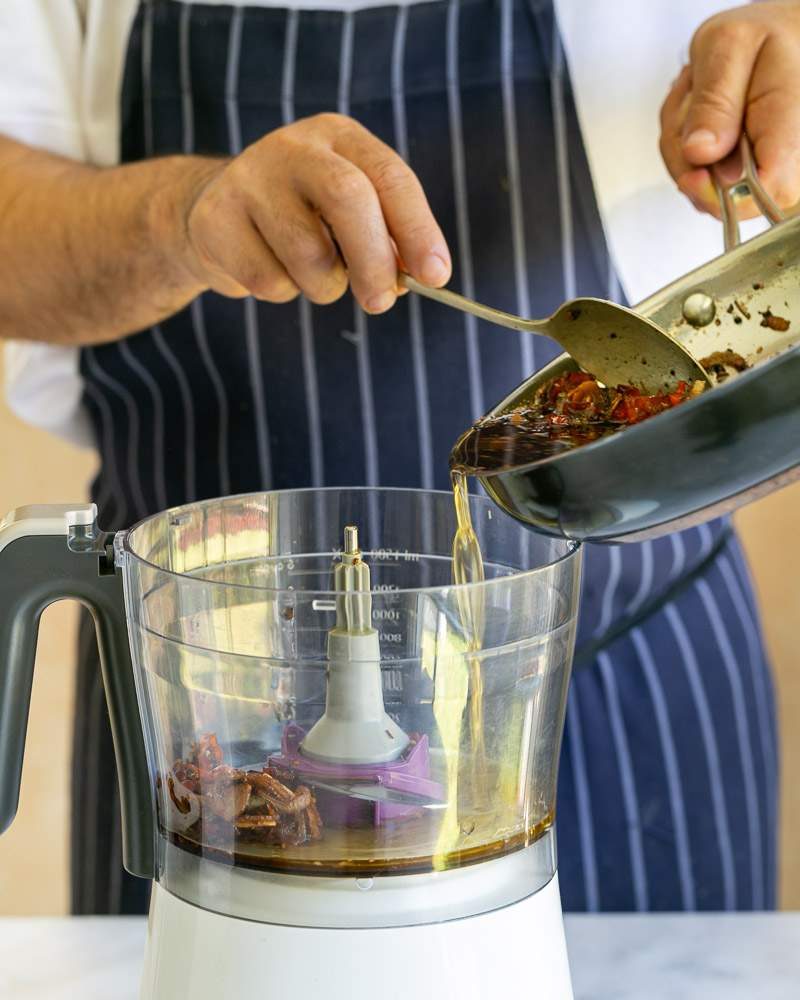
(744, 73)
(92, 255)
(309, 208)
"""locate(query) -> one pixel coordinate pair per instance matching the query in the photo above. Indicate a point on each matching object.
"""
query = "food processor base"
(192, 952)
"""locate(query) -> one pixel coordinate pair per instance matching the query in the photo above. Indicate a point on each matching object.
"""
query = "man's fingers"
(349, 204)
(673, 115)
(694, 182)
(699, 188)
(722, 57)
(237, 260)
(324, 202)
(301, 242)
(414, 230)
(773, 119)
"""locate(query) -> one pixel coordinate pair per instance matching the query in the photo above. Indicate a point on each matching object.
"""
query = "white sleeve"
(43, 387)
(40, 73)
(623, 56)
(40, 77)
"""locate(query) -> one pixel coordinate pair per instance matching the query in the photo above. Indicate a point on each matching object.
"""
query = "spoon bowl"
(615, 344)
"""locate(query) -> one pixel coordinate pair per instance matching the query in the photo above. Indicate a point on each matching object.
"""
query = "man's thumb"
(720, 79)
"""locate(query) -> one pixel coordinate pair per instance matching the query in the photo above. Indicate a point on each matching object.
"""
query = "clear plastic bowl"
(229, 605)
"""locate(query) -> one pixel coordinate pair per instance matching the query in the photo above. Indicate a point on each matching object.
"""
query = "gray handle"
(43, 560)
(747, 184)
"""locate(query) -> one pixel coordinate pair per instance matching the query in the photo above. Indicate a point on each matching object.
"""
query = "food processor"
(338, 766)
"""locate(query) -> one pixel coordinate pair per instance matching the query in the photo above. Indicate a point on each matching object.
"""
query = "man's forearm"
(89, 255)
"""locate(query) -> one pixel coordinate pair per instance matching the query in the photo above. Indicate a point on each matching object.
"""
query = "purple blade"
(378, 793)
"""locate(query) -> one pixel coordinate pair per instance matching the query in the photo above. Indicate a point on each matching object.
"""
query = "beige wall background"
(36, 468)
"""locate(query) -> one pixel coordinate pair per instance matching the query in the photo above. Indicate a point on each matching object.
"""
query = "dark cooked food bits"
(566, 412)
(314, 821)
(277, 794)
(255, 822)
(228, 796)
(718, 363)
(262, 806)
(778, 323)
(206, 753)
(181, 802)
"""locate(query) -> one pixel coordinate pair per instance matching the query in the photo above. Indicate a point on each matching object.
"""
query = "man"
(269, 152)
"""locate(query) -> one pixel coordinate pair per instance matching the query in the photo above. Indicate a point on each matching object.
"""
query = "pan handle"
(748, 183)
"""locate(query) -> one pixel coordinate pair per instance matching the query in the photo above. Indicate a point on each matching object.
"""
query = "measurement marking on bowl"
(318, 605)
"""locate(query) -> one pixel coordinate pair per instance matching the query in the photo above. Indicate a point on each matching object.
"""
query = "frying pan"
(732, 444)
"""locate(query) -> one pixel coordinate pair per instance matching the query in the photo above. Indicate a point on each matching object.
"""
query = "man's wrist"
(181, 182)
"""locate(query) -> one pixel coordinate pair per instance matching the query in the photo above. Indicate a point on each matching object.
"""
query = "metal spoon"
(615, 344)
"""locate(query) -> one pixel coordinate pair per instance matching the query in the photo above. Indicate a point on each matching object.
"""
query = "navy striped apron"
(667, 797)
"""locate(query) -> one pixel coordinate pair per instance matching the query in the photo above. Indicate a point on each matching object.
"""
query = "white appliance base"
(195, 953)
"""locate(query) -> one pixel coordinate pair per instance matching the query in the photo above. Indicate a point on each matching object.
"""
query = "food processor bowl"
(231, 606)
(348, 757)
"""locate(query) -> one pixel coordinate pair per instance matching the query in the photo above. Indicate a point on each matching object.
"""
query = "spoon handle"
(456, 301)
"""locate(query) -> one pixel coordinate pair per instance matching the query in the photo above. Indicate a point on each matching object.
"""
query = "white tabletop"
(651, 957)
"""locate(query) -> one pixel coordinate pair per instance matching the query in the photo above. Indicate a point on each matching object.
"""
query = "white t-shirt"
(61, 67)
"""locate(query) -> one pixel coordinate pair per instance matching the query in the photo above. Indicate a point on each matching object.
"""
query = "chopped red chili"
(568, 411)
(577, 399)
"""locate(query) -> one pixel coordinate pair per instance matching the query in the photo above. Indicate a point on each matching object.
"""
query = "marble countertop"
(613, 957)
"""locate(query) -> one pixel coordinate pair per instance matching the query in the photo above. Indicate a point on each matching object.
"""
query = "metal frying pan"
(732, 444)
